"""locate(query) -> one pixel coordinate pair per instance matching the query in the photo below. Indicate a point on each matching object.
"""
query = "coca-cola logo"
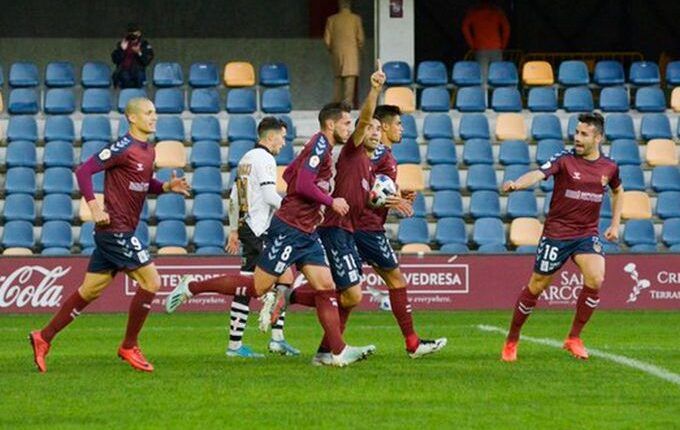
(34, 286)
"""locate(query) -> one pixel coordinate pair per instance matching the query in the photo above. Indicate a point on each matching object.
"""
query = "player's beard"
(338, 139)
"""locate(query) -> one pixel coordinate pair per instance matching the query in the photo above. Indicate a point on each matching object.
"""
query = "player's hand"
(509, 186)
(378, 77)
(99, 216)
(179, 185)
(124, 44)
(340, 206)
(612, 233)
(136, 48)
(403, 206)
(233, 244)
(408, 195)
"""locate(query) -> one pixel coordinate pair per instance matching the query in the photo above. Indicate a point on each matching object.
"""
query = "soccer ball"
(383, 187)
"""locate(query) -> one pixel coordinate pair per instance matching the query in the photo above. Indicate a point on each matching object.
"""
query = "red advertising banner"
(633, 281)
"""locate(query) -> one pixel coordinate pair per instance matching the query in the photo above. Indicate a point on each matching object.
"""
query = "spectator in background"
(487, 32)
(131, 56)
(344, 38)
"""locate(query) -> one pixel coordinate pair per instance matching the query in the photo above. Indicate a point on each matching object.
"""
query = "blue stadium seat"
(171, 233)
(410, 128)
(614, 99)
(165, 174)
(123, 126)
(237, 150)
(90, 148)
(207, 180)
(485, 204)
(241, 100)
(444, 177)
(96, 74)
(98, 182)
(450, 230)
(632, 178)
(437, 125)
(168, 75)
(650, 99)
(481, 177)
(522, 204)
(209, 233)
(57, 207)
(276, 100)
(208, 206)
(655, 126)
(203, 74)
(474, 126)
(644, 73)
(58, 180)
(673, 73)
(205, 153)
(231, 180)
(639, 231)
(644, 247)
(578, 99)
(397, 73)
(169, 100)
(625, 151)
(454, 248)
(435, 99)
(514, 171)
(241, 127)
(665, 178)
(571, 126)
(471, 99)
(86, 235)
(440, 151)
(668, 204)
(60, 74)
(23, 101)
(23, 74)
(492, 248)
(20, 180)
(542, 99)
(126, 94)
(170, 128)
(55, 251)
(477, 151)
(447, 204)
(287, 154)
(22, 128)
(144, 216)
(431, 73)
(291, 130)
(608, 72)
(546, 126)
(59, 128)
(274, 75)
(56, 234)
(96, 100)
(546, 203)
(204, 100)
(142, 233)
(487, 231)
(506, 99)
(514, 152)
(96, 127)
(19, 207)
(18, 234)
(547, 148)
(210, 250)
(502, 73)
(21, 153)
(58, 153)
(619, 126)
(205, 128)
(171, 207)
(60, 101)
(526, 249)
(419, 207)
(466, 73)
(406, 152)
(413, 230)
(670, 232)
(573, 72)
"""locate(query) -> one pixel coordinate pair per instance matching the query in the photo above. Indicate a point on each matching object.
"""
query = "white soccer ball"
(383, 187)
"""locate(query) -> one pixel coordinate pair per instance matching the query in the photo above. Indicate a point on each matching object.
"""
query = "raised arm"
(367, 109)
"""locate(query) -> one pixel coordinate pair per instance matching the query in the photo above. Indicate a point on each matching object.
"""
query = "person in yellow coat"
(344, 38)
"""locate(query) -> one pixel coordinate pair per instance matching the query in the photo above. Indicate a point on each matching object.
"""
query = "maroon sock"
(585, 306)
(343, 315)
(66, 313)
(525, 304)
(402, 312)
(139, 309)
(327, 312)
(229, 285)
(304, 295)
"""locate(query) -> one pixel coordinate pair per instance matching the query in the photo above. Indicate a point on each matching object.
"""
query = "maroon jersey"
(296, 210)
(128, 166)
(384, 163)
(577, 196)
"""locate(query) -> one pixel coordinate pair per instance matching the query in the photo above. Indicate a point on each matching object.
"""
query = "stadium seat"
(410, 177)
(237, 150)
(287, 154)
(471, 99)
(241, 127)
(514, 171)
(205, 128)
(578, 99)
(241, 100)
(416, 248)
(537, 73)
(58, 153)
(619, 126)
(207, 180)
(446, 204)
(18, 234)
(636, 205)
(23, 101)
(431, 73)
(96, 74)
(17, 251)
(525, 231)
(506, 99)
(488, 231)
(666, 178)
(172, 250)
(522, 204)
(650, 99)
(57, 207)
(413, 230)
(571, 126)
(406, 152)
(205, 153)
(673, 73)
(170, 128)
(502, 73)
(209, 233)
(22, 128)
(638, 232)
(441, 151)
(142, 233)
(59, 128)
(60, 74)
(547, 148)
(485, 204)
(661, 152)
(60, 101)
(655, 126)
(99, 128)
(632, 178)
(668, 204)
(402, 97)
(123, 126)
(291, 130)
(643, 247)
(514, 152)
(171, 206)
(274, 75)
(526, 249)
(96, 100)
(203, 74)
(625, 151)
(466, 73)
(443, 177)
(644, 73)
(454, 248)
(572, 73)
(276, 100)
(168, 75)
(239, 74)
(608, 72)
(614, 99)
(397, 73)
(56, 234)
(23, 74)
(477, 151)
(127, 94)
(170, 153)
(546, 126)
(450, 230)
(169, 100)
(19, 207)
(542, 99)
(510, 126)
(606, 208)
(210, 250)
(670, 232)
(204, 100)
(58, 180)
(481, 177)
(208, 206)
(492, 248)
(55, 251)
(437, 125)
(546, 203)
(474, 126)
(419, 206)
(171, 233)
(435, 99)
(20, 180)
(410, 128)
(98, 182)
(21, 153)
(90, 148)
(86, 236)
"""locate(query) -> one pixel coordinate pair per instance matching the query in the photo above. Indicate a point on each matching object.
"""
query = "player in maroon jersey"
(582, 175)
(128, 164)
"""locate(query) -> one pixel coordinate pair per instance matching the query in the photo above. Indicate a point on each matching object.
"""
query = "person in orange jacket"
(487, 32)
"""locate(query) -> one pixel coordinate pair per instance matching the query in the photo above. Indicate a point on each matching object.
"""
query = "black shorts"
(117, 251)
(251, 248)
(551, 254)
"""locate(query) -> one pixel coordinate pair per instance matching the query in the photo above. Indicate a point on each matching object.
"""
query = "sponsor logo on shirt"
(582, 195)
(140, 187)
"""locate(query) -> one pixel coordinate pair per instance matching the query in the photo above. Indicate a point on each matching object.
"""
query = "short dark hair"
(269, 123)
(133, 27)
(595, 119)
(333, 111)
(384, 113)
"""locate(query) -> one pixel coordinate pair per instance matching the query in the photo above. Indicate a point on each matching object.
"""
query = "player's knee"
(595, 281)
(151, 285)
(89, 293)
(538, 283)
(396, 282)
(351, 297)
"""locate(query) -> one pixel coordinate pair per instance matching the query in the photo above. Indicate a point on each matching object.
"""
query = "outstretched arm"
(377, 81)
(523, 182)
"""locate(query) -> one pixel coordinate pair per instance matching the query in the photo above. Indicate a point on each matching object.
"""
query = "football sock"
(277, 327)
(402, 312)
(139, 309)
(585, 306)
(523, 307)
(239, 317)
(327, 312)
(343, 315)
(66, 313)
(230, 285)
(304, 295)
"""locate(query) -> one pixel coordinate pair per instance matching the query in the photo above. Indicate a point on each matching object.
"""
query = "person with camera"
(131, 56)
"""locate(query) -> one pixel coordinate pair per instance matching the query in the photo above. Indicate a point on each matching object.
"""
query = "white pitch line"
(647, 368)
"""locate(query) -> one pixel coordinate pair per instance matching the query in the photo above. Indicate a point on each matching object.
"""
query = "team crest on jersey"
(314, 161)
(105, 154)
(604, 180)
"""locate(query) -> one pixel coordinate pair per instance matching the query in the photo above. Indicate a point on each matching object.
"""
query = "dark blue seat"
(487, 231)
(466, 73)
(522, 204)
(670, 232)
(485, 204)
(547, 148)
(291, 131)
(614, 99)
(23, 101)
(205, 128)
(22, 128)
(237, 150)
(514, 152)
(655, 126)
(502, 73)
(526, 249)
(98, 182)
(397, 73)
(578, 99)
(59, 128)
(21, 153)
(477, 151)
(56, 234)
(142, 233)
(60, 74)
(447, 204)
(86, 235)
(210, 250)
(23, 74)
(471, 99)
(450, 230)
(650, 99)
(673, 73)
(207, 180)
(170, 128)
(127, 94)
(542, 99)
(60, 101)
(514, 171)
(203, 74)
(58, 153)
(413, 230)
(241, 100)
(546, 203)
(276, 100)
(169, 100)
(96, 127)
(168, 75)
(644, 73)
(287, 154)
(206, 153)
(481, 177)
(573, 72)
(474, 126)
(419, 207)
(492, 248)
(506, 99)
(571, 126)
(274, 75)
(96, 100)
(58, 180)
(665, 178)
(204, 100)
(632, 178)
(165, 174)
(57, 207)
(454, 248)
(171, 207)
(438, 125)
(209, 233)
(609, 72)
(96, 74)
(444, 177)
(435, 99)
(208, 206)
(606, 208)
(171, 233)
(18, 234)
(241, 127)
(90, 148)
(625, 151)
(619, 126)
(20, 180)
(19, 207)
(431, 73)
(441, 151)
(668, 204)
(410, 128)
(638, 232)
(406, 152)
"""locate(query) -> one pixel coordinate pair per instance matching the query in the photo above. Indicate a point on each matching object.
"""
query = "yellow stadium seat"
(402, 97)
(636, 205)
(84, 211)
(1, 105)
(170, 153)
(662, 152)
(675, 99)
(281, 185)
(239, 74)
(510, 126)
(537, 73)
(172, 250)
(410, 177)
(17, 251)
(416, 248)
(525, 231)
